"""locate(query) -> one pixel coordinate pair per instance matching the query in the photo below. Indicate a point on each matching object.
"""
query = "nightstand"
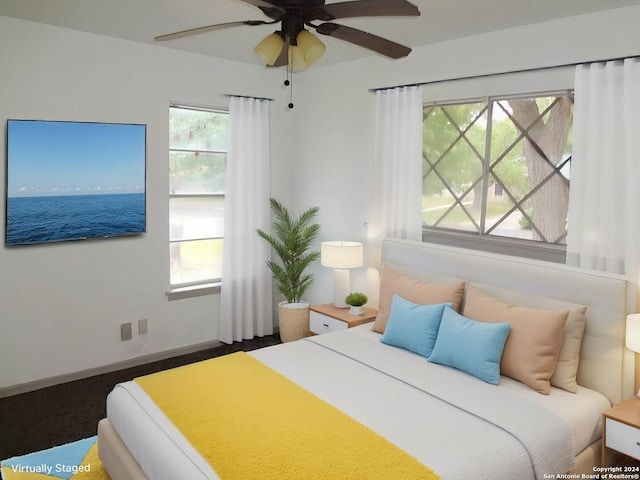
(621, 429)
(327, 318)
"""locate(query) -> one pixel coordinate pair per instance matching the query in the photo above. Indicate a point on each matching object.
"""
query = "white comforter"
(459, 426)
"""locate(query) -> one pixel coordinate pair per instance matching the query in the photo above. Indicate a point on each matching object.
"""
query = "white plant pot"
(356, 310)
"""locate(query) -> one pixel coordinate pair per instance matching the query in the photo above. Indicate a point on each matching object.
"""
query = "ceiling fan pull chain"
(289, 81)
(290, 90)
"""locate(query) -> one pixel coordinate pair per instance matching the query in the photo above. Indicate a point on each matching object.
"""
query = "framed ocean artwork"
(74, 181)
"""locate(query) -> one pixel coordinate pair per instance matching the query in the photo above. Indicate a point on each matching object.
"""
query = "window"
(498, 167)
(198, 144)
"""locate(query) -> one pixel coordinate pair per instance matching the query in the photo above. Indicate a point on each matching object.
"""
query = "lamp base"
(340, 287)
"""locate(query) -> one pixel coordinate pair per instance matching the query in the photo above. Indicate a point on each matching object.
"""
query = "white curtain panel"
(396, 197)
(604, 202)
(246, 296)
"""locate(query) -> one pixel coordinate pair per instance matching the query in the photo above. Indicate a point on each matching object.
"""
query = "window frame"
(210, 285)
(534, 249)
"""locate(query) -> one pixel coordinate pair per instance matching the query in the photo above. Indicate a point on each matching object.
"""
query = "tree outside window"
(499, 167)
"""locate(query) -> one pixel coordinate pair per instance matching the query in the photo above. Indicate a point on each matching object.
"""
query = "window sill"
(494, 244)
(191, 291)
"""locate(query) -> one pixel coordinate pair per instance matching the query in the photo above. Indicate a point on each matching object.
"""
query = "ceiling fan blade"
(264, 3)
(270, 8)
(208, 28)
(363, 8)
(363, 39)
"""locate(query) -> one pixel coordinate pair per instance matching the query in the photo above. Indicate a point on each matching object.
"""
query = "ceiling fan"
(295, 46)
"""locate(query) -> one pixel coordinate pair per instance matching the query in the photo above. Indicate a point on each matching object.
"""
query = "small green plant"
(356, 299)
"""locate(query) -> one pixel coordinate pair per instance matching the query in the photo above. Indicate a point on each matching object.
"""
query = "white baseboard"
(113, 367)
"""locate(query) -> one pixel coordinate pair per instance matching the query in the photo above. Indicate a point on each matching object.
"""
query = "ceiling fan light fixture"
(311, 46)
(297, 61)
(269, 48)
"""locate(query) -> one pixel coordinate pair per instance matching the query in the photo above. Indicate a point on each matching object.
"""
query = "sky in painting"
(47, 158)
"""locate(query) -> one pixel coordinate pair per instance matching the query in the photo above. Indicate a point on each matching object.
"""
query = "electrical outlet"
(125, 331)
(143, 326)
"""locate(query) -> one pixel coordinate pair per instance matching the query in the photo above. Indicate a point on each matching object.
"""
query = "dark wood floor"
(70, 411)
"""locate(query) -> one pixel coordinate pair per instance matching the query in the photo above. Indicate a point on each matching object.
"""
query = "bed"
(452, 421)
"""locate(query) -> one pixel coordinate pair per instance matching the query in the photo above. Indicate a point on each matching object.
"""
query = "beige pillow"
(416, 291)
(565, 376)
(531, 352)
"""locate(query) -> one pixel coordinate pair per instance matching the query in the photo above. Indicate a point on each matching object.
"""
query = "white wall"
(333, 144)
(61, 304)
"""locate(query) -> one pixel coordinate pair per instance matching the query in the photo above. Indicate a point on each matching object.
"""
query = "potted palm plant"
(292, 240)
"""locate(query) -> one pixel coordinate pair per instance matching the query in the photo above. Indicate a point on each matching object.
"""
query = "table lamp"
(341, 256)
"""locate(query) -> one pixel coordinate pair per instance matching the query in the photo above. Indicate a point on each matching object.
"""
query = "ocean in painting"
(73, 217)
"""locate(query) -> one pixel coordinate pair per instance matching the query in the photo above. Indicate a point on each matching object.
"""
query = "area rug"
(72, 461)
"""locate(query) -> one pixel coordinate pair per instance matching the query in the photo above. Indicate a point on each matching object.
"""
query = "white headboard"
(605, 364)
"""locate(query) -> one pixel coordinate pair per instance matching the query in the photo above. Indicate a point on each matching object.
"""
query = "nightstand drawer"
(623, 438)
(320, 324)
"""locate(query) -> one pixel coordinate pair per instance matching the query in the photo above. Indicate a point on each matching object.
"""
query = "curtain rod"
(507, 72)
(248, 96)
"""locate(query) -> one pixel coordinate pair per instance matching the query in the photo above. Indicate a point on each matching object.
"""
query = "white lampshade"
(269, 48)
(633, 332)
(341, 254)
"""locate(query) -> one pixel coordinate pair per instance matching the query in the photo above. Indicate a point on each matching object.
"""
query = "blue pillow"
(413, 327)
(470, 346)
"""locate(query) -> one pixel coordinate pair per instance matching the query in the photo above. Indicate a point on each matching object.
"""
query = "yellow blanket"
(250, 422)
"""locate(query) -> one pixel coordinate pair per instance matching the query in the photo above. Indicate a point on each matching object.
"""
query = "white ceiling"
(141, 20)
